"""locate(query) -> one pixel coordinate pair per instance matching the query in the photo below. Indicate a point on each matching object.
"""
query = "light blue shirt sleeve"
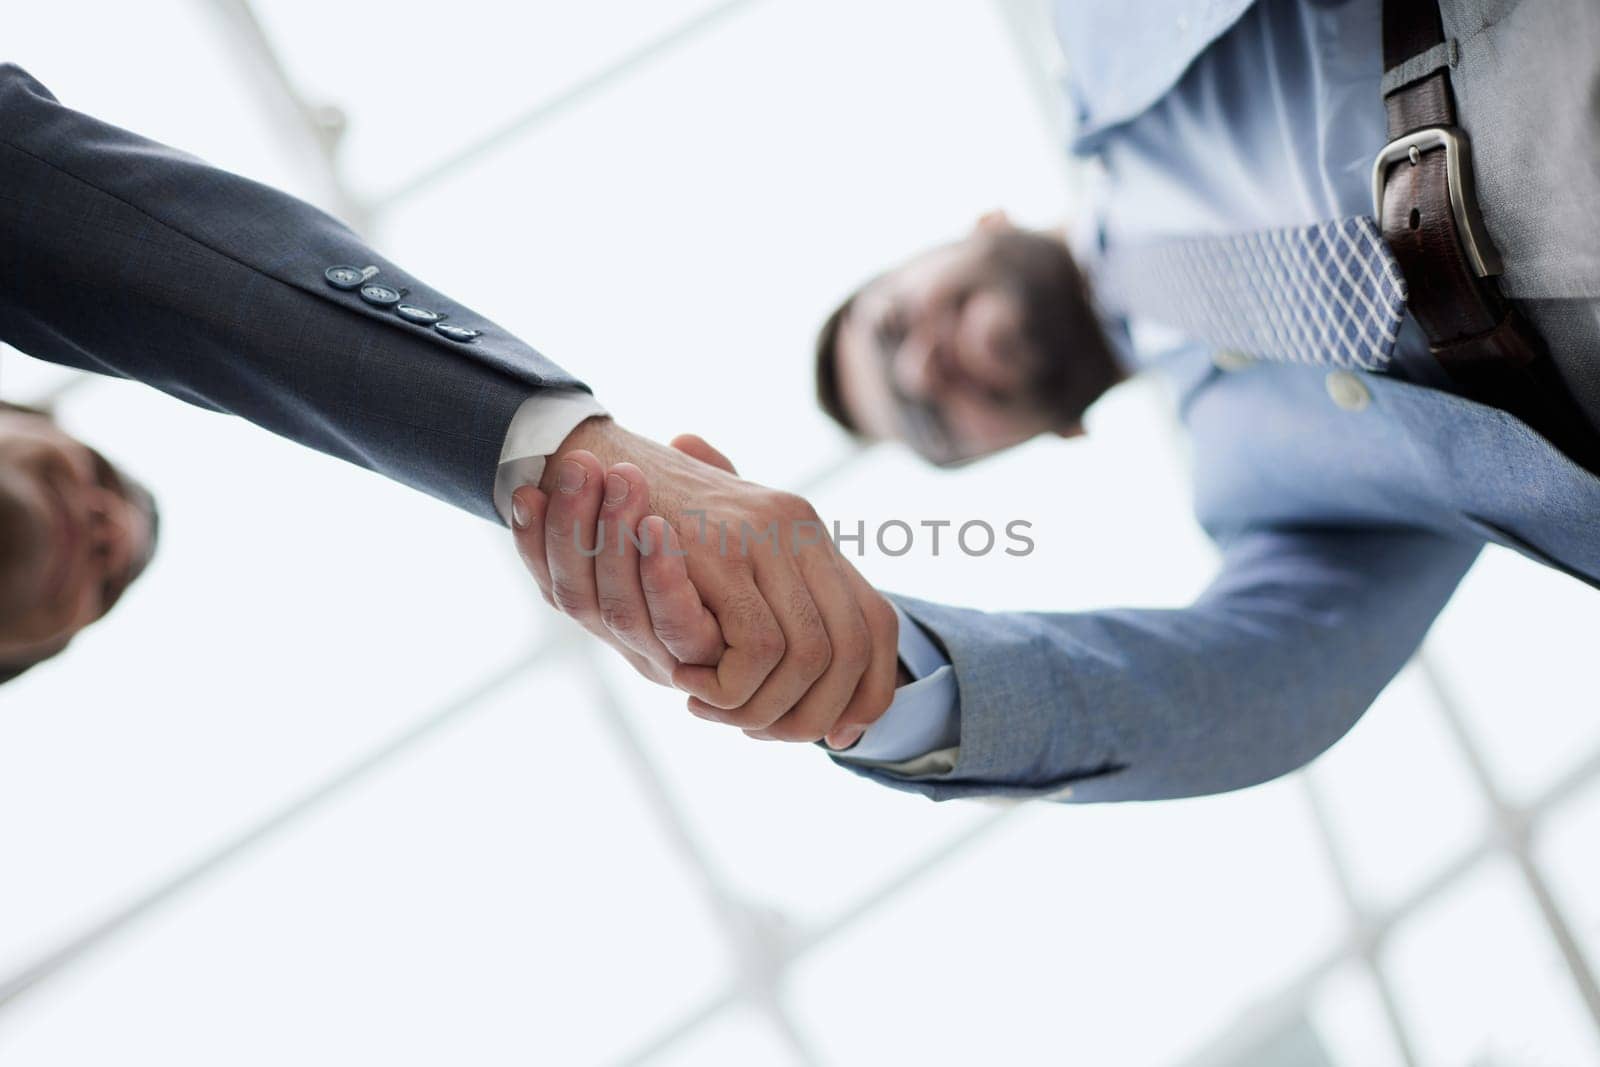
(925, 716)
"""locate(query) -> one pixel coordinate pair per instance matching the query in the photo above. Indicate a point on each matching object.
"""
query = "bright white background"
(508, 890)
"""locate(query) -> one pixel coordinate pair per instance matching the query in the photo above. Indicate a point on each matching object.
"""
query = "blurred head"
(74, 534)
(969, 348)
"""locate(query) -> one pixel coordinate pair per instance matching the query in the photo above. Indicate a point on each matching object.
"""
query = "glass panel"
(1398, 794)
(1073, 926)
(1527, 686)
(781, 824)
(1348, 1016)
(737, 1036)
(500, 896)
(418, 82)
(299, 612)
(180, 86)
(1566, 845)
(1480, 981)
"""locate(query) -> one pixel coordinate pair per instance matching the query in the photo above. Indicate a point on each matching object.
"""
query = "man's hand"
(737, 597)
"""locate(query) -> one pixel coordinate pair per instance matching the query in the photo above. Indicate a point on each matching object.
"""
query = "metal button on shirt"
(459, 334)
(381, 295)
(1231, 359)
(1348, 391)
(419, 315)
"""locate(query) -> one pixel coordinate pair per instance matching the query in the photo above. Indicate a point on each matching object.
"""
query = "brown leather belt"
(1428, 211)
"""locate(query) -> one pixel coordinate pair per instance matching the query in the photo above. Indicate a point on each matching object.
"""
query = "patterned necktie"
(1330, 293)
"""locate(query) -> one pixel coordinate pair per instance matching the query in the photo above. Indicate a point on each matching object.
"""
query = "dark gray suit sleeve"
(1272, 664)
(124, 257)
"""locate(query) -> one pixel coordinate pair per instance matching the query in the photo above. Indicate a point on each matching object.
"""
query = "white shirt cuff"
(537, 430)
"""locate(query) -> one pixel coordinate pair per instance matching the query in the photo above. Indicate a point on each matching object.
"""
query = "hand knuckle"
(709, 713)
(778, 731)
(751, 615)
(669, 629)
(856, 634)
(768, 646)
(854, 657)
(568, 597)
(812, 656)
(795, 511)
(618, 614)
(747, 719)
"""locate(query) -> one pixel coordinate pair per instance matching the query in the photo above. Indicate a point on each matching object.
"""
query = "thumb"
(696, 447)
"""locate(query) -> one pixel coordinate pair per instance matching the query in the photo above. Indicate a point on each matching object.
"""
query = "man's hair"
(828, 394)
(1061, 320)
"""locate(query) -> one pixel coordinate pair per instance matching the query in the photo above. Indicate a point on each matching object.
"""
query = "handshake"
(728, 591)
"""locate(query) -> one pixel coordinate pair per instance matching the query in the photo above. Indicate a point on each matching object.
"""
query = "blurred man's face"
(73, 535)
(961, 351)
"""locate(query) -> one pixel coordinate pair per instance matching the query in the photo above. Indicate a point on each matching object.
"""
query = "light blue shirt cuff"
(925, 716)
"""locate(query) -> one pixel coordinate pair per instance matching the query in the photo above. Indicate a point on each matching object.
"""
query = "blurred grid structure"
(1410, 898)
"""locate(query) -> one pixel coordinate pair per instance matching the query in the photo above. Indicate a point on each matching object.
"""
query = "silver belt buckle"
(1480, 252)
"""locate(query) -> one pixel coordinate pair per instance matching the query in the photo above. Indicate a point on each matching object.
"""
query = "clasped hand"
(731, 592)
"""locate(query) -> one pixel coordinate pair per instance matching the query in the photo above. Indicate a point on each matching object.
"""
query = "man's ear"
(993, 222)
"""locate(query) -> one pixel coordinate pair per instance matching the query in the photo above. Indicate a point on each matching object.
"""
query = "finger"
(695, 446)
(619, 592)
(679, 618)
(851, 642)
(755, 641)
(528, 505)
(876, 689)
(572, 537)
(806, 650)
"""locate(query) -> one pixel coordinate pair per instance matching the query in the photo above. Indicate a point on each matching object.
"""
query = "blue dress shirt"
(1207, 117)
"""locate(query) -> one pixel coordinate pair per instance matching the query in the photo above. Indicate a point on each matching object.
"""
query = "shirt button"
(459, 334)
(345, 277)
(420, 316)
(381, 295)
(1348, 391)
(1231, 359)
